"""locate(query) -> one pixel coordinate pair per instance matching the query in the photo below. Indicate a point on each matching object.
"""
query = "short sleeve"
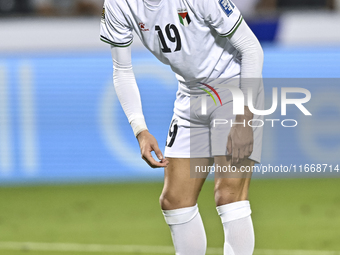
(221, 15)
(114, 28)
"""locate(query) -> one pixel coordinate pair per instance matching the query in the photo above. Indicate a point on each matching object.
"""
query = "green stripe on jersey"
(232, 31)
(180, 19)
(116, 45)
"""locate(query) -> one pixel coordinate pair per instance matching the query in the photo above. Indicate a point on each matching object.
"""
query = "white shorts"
(194, 133)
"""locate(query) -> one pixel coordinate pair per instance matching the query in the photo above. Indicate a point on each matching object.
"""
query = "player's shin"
(238, 228)
(187, 230)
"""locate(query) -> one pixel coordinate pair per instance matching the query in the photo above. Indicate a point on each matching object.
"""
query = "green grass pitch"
(299, 214)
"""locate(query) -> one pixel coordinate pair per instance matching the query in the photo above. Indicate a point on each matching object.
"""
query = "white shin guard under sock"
(238, 228)
(187, 230)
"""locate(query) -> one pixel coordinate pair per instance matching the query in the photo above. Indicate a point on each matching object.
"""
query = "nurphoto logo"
(239, 102)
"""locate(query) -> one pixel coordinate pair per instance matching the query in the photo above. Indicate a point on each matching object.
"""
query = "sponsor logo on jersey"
(227, 6)
(103, 15)
(142, 27)
(184, 17)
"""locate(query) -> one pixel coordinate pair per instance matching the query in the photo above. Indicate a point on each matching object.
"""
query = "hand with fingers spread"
(147, 144)
(240, 139)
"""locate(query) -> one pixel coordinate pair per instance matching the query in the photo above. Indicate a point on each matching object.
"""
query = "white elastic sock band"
(234, 211)
(180, 216)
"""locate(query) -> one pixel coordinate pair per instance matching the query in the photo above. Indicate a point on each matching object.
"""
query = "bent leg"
(179, 189)
(231, 197)
(231, 186)
(179, 205)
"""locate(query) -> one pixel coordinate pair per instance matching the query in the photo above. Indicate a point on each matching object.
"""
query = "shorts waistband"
(201, 88)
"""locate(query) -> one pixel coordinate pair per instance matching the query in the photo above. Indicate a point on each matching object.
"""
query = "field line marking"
(73, 247)
(30, 246)
(294, 252)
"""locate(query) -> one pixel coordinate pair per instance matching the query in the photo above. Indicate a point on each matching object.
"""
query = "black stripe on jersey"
(234, 27)
(104, 39)
(188, 18)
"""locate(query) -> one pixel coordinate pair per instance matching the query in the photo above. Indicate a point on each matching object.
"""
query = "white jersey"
(185, 34)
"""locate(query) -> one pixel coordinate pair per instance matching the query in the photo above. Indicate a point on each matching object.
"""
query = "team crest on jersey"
(227, 6)
(184, 17)
(142, 27)
(103, 15)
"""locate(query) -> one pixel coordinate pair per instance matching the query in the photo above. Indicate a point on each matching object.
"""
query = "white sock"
(238, 228)
(187, 230)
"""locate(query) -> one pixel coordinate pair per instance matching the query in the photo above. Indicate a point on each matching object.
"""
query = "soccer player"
(206, 43)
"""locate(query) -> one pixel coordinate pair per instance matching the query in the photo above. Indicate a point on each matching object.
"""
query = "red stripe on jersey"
(183, 14)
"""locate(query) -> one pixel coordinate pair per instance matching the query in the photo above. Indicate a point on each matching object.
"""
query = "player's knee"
(224, 197)
(229, 192)
(171, 201)
(167, 201)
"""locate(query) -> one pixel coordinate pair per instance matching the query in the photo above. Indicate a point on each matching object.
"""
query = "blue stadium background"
(61, 122)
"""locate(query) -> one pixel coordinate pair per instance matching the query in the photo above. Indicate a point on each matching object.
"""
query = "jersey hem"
(104, 39)
(237, 24)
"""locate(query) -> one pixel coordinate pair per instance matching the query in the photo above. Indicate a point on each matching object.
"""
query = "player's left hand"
(240, 139)
(147, 144)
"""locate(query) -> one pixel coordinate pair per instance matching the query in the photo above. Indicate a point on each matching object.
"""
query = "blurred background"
(70, 170)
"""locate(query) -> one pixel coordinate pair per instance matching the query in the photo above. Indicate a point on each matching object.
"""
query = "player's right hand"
(147, 144)
(240, 139)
